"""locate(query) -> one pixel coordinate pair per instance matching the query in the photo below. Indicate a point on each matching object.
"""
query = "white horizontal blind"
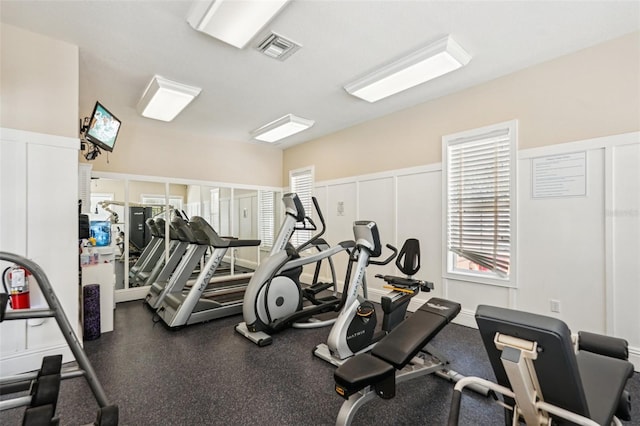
(301, 182)
(479, 200)
(266, 216)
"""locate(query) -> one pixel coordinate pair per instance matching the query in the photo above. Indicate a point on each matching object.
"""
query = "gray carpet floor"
(207, 374)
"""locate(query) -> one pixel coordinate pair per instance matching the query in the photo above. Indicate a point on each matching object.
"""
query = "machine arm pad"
(604, 345)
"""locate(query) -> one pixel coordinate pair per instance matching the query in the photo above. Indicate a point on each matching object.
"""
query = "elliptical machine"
(355, 328)
(274, 299)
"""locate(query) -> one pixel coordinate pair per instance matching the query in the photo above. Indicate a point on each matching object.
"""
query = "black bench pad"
(359, 372)
(603, 379)
(413, 334)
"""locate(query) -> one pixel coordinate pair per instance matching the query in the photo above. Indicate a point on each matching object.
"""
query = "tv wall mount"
(85, 145)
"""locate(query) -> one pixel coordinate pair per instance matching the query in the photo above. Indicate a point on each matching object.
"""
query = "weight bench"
(543, 377)
(401, 355)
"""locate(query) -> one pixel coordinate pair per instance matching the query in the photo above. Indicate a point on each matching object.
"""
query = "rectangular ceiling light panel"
(235, 22)
(427, 63)
(281, 128)
(164, 99)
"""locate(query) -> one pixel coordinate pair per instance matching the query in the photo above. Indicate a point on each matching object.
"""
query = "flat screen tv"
(101, 231)
(103, 128)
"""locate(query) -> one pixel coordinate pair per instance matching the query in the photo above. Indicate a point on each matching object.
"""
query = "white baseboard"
(376, 294)
(32, 359)
(134, 293)
(467, 318)
(306, 278)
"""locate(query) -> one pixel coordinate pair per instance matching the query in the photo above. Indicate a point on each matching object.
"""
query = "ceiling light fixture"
(164, 99)
(234, 22)
(427, 63)
(281, 128)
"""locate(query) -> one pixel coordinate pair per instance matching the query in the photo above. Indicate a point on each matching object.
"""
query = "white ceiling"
(124, 43)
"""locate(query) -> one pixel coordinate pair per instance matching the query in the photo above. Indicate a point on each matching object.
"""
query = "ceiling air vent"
(277, 47)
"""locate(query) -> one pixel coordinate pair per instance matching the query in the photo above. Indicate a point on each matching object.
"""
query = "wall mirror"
(123, 204)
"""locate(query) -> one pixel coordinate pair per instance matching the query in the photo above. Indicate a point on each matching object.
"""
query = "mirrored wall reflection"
(130, 219)
(270, 209)
(221, 212)
(204, 201)
(245, 227)
(224, 211)
(145, 201)
(107, 221)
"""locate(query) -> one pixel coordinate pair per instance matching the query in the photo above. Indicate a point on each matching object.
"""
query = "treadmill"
(148, 278)
(181, 264)
(150, 254)
(206, 300)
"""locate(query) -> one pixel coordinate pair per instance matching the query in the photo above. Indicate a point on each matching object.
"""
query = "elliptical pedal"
(317, 288)
(311, 293)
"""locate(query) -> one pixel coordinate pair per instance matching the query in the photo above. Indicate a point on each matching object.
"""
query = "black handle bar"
(320, 216)
(387, 260)
(322, 222)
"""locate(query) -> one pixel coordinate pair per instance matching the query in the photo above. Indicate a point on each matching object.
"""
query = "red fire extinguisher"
(18, 289)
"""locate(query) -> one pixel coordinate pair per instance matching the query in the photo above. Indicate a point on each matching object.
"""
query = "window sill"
(480, 279)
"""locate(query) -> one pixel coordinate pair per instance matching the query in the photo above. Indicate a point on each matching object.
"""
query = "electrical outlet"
(554, 305)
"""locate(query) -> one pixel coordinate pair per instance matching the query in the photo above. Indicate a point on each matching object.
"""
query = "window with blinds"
(480, 200)
(266, 217)
(160, 202)
(301, 182)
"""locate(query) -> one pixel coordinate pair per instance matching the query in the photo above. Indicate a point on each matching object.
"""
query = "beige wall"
(591, 93)
(39, 86)
(38, 83)
(147, 148)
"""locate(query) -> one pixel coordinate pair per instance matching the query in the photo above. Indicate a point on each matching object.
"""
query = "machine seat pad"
(603, 381)
(361, 371)
(400, 281)
(413, 334)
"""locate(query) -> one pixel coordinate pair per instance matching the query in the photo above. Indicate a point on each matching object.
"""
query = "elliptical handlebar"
(307, 225)
(388, 259)
(317, 207)
(309, 242)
